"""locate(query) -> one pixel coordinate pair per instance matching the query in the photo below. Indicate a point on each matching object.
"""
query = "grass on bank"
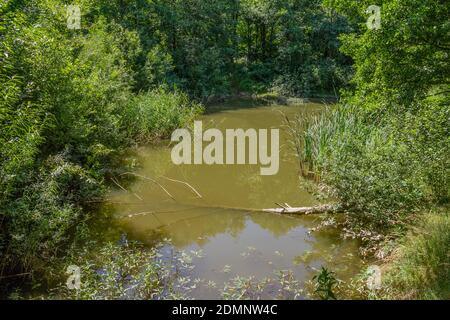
(420, 267)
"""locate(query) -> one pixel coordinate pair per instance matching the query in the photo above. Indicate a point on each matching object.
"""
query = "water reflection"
(245, 243)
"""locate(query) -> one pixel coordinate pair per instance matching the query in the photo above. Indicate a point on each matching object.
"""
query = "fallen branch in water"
(16, 275)
(284, 210)
(120, 186)
(185, 183)
(326, 208)
(152, 180)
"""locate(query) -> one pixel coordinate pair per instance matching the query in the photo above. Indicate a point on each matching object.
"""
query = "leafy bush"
(381, 169)
(384, 150)
(67, 110)
(44, 219)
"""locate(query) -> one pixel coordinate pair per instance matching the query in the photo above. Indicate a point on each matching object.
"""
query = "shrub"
(67, 110)
(381, 168)
(44, 217)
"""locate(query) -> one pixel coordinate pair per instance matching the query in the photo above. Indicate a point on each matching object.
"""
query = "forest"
(75, 101)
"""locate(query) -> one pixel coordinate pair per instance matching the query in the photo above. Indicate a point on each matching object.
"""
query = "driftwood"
(186, 184)
(326, 208)
(198, 195)
(284, 210)
(150, 179)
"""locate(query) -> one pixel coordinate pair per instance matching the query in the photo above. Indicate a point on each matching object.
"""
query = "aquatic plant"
(131, 271)
(283, 286)
(325, 284)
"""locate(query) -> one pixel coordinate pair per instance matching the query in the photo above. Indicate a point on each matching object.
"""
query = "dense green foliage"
(403, 62)
(384, 149)
(73, 99)
(67, 110)
(220, 47)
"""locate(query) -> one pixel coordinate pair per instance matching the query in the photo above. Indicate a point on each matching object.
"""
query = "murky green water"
(232, 242)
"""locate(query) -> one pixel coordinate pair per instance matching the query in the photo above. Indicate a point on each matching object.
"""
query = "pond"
(225, 243)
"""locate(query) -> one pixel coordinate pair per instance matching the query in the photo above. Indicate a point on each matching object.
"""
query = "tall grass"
(315, 135)
(421, 267)
(157, 113)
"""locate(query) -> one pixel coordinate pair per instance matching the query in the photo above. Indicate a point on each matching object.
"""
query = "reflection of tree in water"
(276, 224)
(225, 185)
(187, 227)
(151, 238)
(264, 191)
(231, 185)
(156, 160)
(210, 224)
